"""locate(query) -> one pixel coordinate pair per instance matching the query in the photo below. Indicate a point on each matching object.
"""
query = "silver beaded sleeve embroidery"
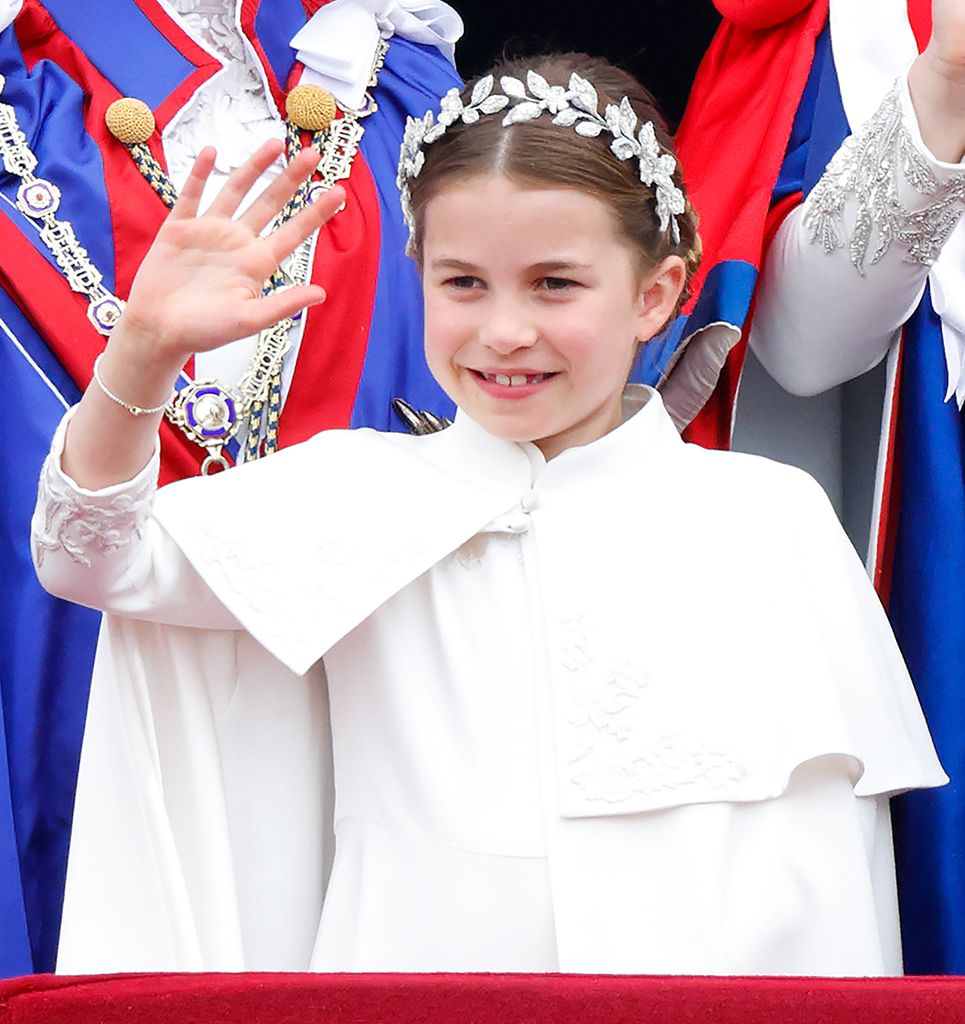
(82, 526)
(867, 167)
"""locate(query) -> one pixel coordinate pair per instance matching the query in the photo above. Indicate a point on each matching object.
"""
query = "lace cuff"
(84, 523)
(901, 193)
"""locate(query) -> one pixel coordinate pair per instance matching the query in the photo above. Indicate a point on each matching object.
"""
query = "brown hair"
(539, 153)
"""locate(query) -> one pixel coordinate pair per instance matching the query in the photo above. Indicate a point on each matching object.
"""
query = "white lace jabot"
(9, 9)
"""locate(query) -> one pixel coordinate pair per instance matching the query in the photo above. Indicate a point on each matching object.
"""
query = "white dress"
(633, 710)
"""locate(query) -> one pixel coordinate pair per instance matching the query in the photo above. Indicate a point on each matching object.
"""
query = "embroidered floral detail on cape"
(671, 763)
(610, 760)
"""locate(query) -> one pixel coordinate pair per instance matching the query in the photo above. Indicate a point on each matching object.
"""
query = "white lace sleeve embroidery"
(83, 525)
(867, 167)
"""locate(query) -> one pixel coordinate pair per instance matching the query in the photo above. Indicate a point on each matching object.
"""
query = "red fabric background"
(731, 143)
(329, 364)
(477, 999)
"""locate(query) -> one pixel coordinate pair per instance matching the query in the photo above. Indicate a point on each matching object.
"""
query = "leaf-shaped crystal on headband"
(582, 95)
(589, 129)
(481, 90)
(450, 108)
(538, 86)
(623, 148)
(649, 147)
(628, 119)
(434, 133)
(523, 112)
(493, 104)
(567, 117)
(612, 118)
(513, 87)
(556, 99)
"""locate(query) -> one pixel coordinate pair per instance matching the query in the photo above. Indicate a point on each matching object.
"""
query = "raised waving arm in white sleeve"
(848, 267)
(200, 286)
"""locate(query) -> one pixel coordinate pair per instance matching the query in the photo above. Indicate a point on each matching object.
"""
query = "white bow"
(9, 9)
(947, 280)
(337, 45)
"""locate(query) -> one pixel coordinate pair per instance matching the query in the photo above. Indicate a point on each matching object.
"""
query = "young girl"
(600, 700)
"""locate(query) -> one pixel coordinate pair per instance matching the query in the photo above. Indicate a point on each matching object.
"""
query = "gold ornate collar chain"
(209, 413)
(39, 199)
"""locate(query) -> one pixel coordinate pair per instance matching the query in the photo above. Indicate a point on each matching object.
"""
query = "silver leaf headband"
(576, 106)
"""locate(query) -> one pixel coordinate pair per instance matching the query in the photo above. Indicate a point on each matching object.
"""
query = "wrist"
(137, 369)
(937, 88)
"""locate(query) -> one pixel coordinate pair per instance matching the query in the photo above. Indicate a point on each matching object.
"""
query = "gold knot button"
(130, 120)
(310, 107)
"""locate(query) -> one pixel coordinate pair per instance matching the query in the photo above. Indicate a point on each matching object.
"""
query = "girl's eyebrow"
(544, 267)
(550, 266)
(448, 263)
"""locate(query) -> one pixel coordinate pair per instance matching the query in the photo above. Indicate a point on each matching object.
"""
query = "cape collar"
(646, 435)
(414, 500)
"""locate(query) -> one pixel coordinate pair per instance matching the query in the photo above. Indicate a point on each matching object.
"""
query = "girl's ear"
(660, 290)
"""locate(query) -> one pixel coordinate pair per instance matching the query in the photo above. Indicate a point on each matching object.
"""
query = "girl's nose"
(507, 330)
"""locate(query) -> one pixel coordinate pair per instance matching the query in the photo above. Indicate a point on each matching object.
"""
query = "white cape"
(202, 832)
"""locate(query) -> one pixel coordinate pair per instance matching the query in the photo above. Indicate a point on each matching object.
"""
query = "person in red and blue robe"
(775, 98)
(62, 64)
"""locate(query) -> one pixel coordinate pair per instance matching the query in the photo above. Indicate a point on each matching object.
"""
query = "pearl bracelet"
(134, 410)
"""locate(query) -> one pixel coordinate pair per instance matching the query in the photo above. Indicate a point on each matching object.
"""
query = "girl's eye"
(464, 282)
(556, 284)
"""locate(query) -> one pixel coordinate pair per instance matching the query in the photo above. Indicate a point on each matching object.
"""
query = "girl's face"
(534, 306)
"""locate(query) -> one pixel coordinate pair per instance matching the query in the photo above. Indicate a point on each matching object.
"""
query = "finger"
(242, 178)
(286, 238)
(262, 313)
(187, 205)
(274, 197)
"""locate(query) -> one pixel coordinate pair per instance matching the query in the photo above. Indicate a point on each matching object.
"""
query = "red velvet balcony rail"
(299, 998)
(476, 999)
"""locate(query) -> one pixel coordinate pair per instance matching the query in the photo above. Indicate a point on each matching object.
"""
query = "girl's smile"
(511, 383)
(534, 306)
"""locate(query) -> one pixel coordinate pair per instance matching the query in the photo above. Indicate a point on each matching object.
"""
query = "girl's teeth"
(516, 380)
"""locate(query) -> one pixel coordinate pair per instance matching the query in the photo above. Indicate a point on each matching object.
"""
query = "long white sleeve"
(848, 266)
(103, 549)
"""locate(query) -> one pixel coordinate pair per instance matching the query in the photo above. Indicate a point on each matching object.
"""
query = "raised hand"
(947, 44)
(200, 285)
(937, 83)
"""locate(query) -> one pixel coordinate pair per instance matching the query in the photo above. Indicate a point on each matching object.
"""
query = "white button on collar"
(517, 522)
(514, 521)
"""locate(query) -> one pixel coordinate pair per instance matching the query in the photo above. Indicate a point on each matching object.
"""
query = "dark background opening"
(659, 41)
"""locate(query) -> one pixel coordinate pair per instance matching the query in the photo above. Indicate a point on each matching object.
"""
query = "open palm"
(200, 284)
(948, 38)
